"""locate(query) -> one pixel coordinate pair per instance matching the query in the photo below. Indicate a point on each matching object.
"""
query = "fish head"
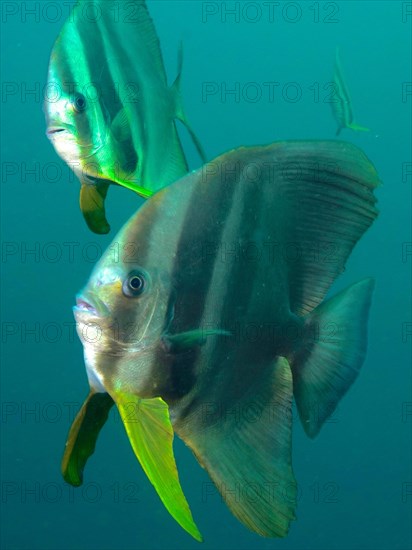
(76, 116)
(121, 315)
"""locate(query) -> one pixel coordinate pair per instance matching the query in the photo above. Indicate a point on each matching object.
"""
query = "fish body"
(342, 103)
(110, 113)
(213, 317)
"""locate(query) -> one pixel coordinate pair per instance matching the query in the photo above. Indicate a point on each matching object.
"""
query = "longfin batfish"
(341, 102)
(212, 325)
(110, 113)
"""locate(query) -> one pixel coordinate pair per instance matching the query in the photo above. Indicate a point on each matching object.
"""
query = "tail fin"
(180, 113)
(246, 449)
(332, 354)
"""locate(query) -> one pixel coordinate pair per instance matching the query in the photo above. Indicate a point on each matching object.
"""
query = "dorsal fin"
(323, 202)
(127, 23)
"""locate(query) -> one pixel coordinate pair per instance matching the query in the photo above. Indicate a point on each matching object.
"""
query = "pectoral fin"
(83, 435)
(151, 435)
(176, 343)
(92, 197)
(121, 126)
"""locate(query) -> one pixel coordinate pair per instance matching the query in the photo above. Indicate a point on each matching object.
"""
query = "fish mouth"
(57, 132)
(91, 306)
(84, 306)
(55, 126)
(87, 148)
(52, 131)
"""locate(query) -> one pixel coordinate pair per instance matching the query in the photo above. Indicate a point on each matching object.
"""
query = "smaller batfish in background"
(110, 113)
(202, 261)
(341, 102)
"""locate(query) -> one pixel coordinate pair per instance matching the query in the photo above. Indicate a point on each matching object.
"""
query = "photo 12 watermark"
(230, 12)
(53, 492)
(270, 91)
(251, 492)
(34, 11)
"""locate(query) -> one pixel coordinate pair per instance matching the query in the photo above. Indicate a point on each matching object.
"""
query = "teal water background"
(355, 480)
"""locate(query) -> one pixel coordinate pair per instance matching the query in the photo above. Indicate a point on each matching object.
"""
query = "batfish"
(213, 318)
(110, 113)
(342, 103)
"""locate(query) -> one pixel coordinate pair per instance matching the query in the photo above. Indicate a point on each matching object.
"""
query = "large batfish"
(110, 113)
(341, 102)
(213, 317)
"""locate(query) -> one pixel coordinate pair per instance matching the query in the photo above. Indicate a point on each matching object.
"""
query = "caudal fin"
(332, 354)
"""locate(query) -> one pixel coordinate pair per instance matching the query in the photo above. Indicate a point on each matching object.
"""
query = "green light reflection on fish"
(110, 113)
(167, 308)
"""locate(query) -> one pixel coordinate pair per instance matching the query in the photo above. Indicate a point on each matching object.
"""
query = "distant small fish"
(341, 102)
(110, 114)
(208, 326)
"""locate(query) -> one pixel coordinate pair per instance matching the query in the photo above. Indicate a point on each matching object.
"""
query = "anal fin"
(247, 452)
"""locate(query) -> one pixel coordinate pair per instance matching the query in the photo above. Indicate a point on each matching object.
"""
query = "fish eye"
(79, 103)
(134, 285)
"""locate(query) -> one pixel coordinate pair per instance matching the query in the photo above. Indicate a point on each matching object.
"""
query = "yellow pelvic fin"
(150, 432)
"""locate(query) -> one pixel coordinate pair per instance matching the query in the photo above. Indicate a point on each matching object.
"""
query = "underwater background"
(355, 479)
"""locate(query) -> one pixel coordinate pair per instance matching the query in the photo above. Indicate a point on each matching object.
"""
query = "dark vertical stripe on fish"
(209, 208)
(135, 248)
(71, 66)
(96, 59)
(238, 292)
(127, 93)
(196, 250)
